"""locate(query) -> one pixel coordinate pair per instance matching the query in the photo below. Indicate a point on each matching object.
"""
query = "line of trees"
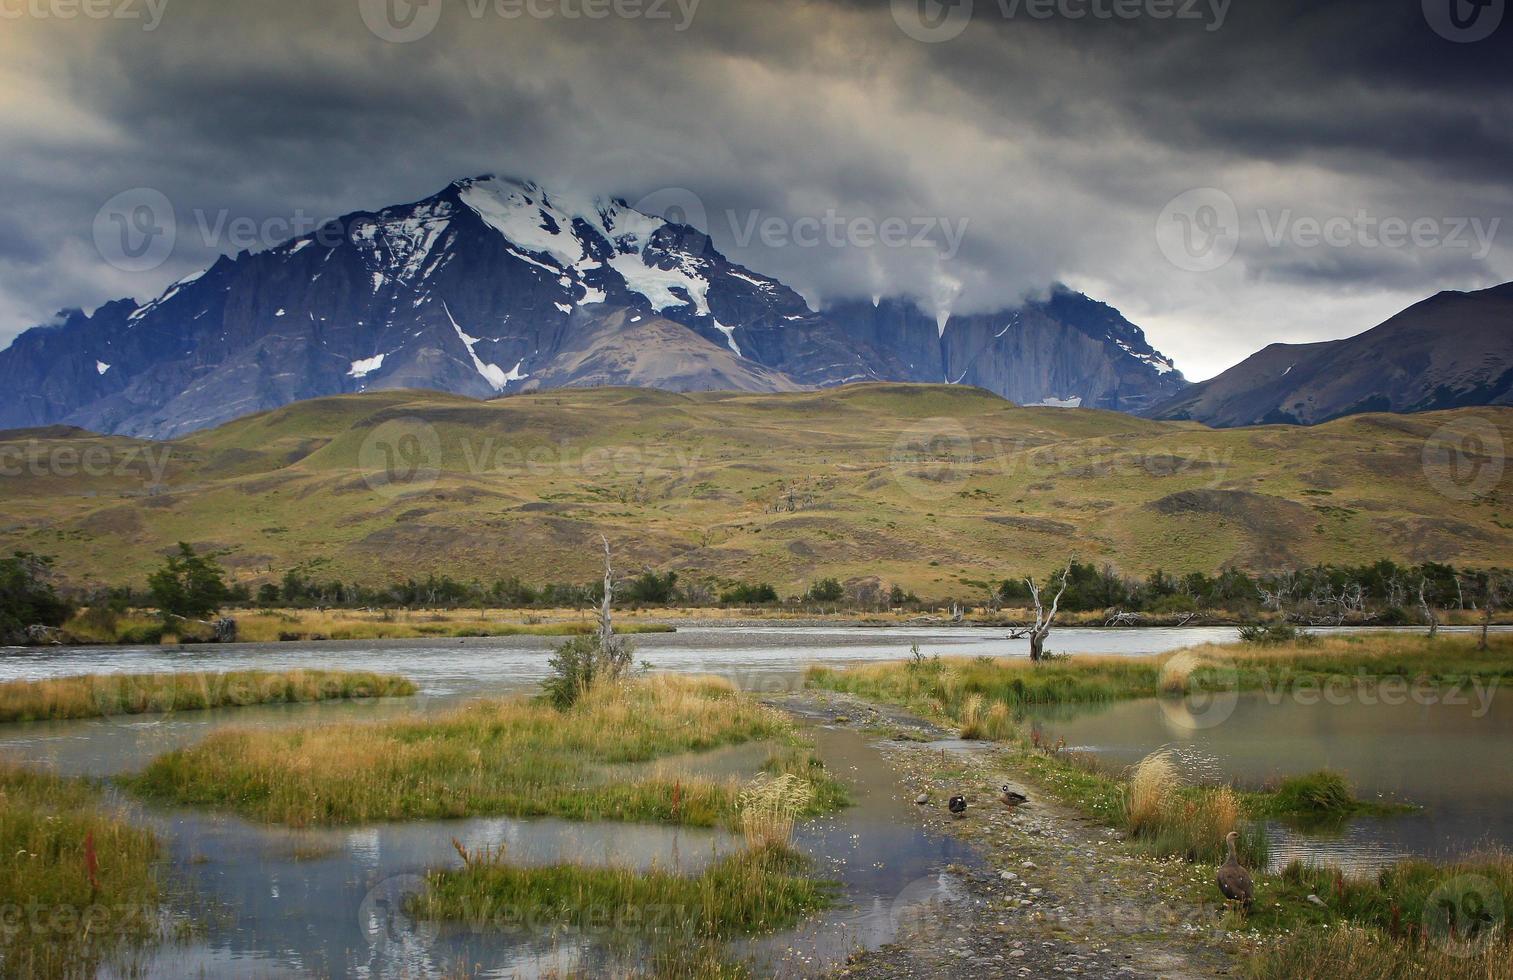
(1385, 592)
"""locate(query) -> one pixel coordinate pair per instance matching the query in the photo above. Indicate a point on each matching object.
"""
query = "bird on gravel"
(957, 806)
(1012, 799)
(1234, 880)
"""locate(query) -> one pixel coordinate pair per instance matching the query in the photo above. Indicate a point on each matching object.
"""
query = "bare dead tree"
(1043, 617)
(614, 651)
(1491, 602)
(1428, 611)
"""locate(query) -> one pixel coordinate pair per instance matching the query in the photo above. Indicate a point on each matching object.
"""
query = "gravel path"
(1060, 896)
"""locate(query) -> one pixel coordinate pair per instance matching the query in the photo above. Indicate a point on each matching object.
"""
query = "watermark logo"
(1464, 916)
(682, 207)
(381, 917)
(1199, 230)
(1465, 459)
(932, 21)
(1202, 690)
(1464, 21)
(920, 910)
(135, 230)
(400, 21)
(930, 459)
(401, 456)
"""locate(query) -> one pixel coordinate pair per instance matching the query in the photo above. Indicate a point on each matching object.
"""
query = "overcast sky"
(1073, 148)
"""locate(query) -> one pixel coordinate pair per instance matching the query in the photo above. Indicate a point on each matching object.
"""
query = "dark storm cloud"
(1059, 141)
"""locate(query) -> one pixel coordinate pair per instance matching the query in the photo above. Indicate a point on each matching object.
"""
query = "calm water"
(1453, 759)
(329, 902)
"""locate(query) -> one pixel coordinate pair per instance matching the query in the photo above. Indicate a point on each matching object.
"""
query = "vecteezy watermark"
(1464, 915)
(408, 455)
(935, 21)
(401, 456)
(1393, 690)
(1210, 685)
(403, 21)
(1201, 229)
(1465, 459)
(149, 12)
(137, 229)
(930, 459)
(36, 457)
(830, 229)
(1464, 21)
(933, 459)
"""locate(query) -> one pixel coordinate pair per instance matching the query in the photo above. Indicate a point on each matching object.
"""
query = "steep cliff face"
(1451, 350)
(497, 285)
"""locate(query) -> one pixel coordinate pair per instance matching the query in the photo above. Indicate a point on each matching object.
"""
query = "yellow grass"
(97, 695)
(509, 757)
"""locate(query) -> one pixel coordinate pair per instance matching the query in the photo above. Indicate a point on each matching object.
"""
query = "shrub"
(574, 665)
(1274, 634)
(1320, 793)
(825, 590)
(26, 597)
(744, 594)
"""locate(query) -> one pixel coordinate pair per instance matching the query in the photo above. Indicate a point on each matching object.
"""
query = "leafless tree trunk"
(614, 651)
(1423, 604)
(1043, 617)
(1492, 600)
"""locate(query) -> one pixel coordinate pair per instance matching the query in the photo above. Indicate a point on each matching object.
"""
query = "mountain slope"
(495, 285)
(1451, 350)
(935, 487)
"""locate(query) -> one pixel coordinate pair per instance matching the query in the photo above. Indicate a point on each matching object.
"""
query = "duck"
(1012, 799)
(1234, 880)
(957, 806)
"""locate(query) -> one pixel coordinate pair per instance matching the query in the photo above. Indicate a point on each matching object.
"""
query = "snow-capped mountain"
(497, 285)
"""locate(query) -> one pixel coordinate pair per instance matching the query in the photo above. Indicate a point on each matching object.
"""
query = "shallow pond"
(1451, 755)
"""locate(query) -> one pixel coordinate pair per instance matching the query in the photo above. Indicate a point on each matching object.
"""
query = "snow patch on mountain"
(366, 366)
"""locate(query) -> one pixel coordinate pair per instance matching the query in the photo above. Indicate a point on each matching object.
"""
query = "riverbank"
(271, 625)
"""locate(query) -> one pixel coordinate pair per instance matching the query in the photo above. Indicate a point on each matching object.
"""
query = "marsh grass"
(510, 757)
(1169, 819)
(77, 883)
(951, 686)
(98, 695)
(755, 891)
(1367, 953)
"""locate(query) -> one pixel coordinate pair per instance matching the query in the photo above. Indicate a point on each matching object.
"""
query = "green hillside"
(915, 484)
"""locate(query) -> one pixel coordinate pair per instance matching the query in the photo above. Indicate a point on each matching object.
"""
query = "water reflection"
(1450, 758)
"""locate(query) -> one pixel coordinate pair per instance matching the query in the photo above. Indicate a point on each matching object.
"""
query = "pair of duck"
(958, 803)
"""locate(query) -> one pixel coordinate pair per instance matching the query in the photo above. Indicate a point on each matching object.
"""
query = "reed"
(99, 695)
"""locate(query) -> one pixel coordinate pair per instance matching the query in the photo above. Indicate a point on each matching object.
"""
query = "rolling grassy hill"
(926, 486)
